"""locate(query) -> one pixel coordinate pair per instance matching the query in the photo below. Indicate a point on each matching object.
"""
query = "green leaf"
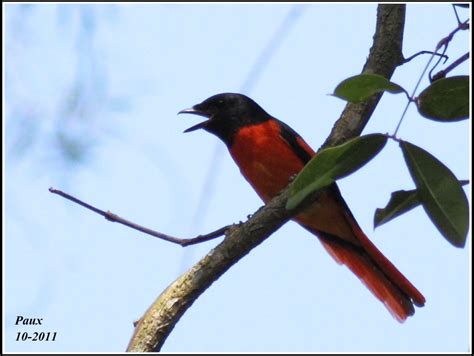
(400, 203)
(446, 99)
(334, 163)
(360, 87)
(440, 193)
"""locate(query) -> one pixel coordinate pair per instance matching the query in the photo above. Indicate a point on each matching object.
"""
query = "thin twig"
(115, 218)
(445, 49)
(442, 73)
(443, 43)
(456, 13)
(406, 60)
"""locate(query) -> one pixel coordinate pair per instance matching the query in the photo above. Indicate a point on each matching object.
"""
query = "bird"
(269, 153)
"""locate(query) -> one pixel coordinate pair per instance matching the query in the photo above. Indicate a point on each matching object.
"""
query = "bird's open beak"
(195, 112)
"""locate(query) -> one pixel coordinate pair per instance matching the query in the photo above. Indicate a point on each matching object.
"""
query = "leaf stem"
(414, 91)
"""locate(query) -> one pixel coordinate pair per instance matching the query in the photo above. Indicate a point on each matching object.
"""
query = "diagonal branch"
(384, 57)
(161, 317)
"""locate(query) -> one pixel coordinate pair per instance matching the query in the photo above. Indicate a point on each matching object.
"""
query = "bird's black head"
(226, 113)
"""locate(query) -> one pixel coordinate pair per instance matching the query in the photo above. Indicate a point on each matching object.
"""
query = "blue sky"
(102, 84)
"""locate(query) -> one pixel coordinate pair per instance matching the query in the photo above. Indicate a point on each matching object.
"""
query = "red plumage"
(269, 153)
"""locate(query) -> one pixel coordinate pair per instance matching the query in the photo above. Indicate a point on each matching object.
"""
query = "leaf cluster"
(437, 188)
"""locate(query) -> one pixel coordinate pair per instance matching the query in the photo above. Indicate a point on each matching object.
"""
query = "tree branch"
(115, 218)
(161, 317)
(384, 57)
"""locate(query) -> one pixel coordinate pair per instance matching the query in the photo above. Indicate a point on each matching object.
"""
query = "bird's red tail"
(380, 276)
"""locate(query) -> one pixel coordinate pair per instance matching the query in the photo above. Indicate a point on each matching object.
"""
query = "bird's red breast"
(264, 159)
